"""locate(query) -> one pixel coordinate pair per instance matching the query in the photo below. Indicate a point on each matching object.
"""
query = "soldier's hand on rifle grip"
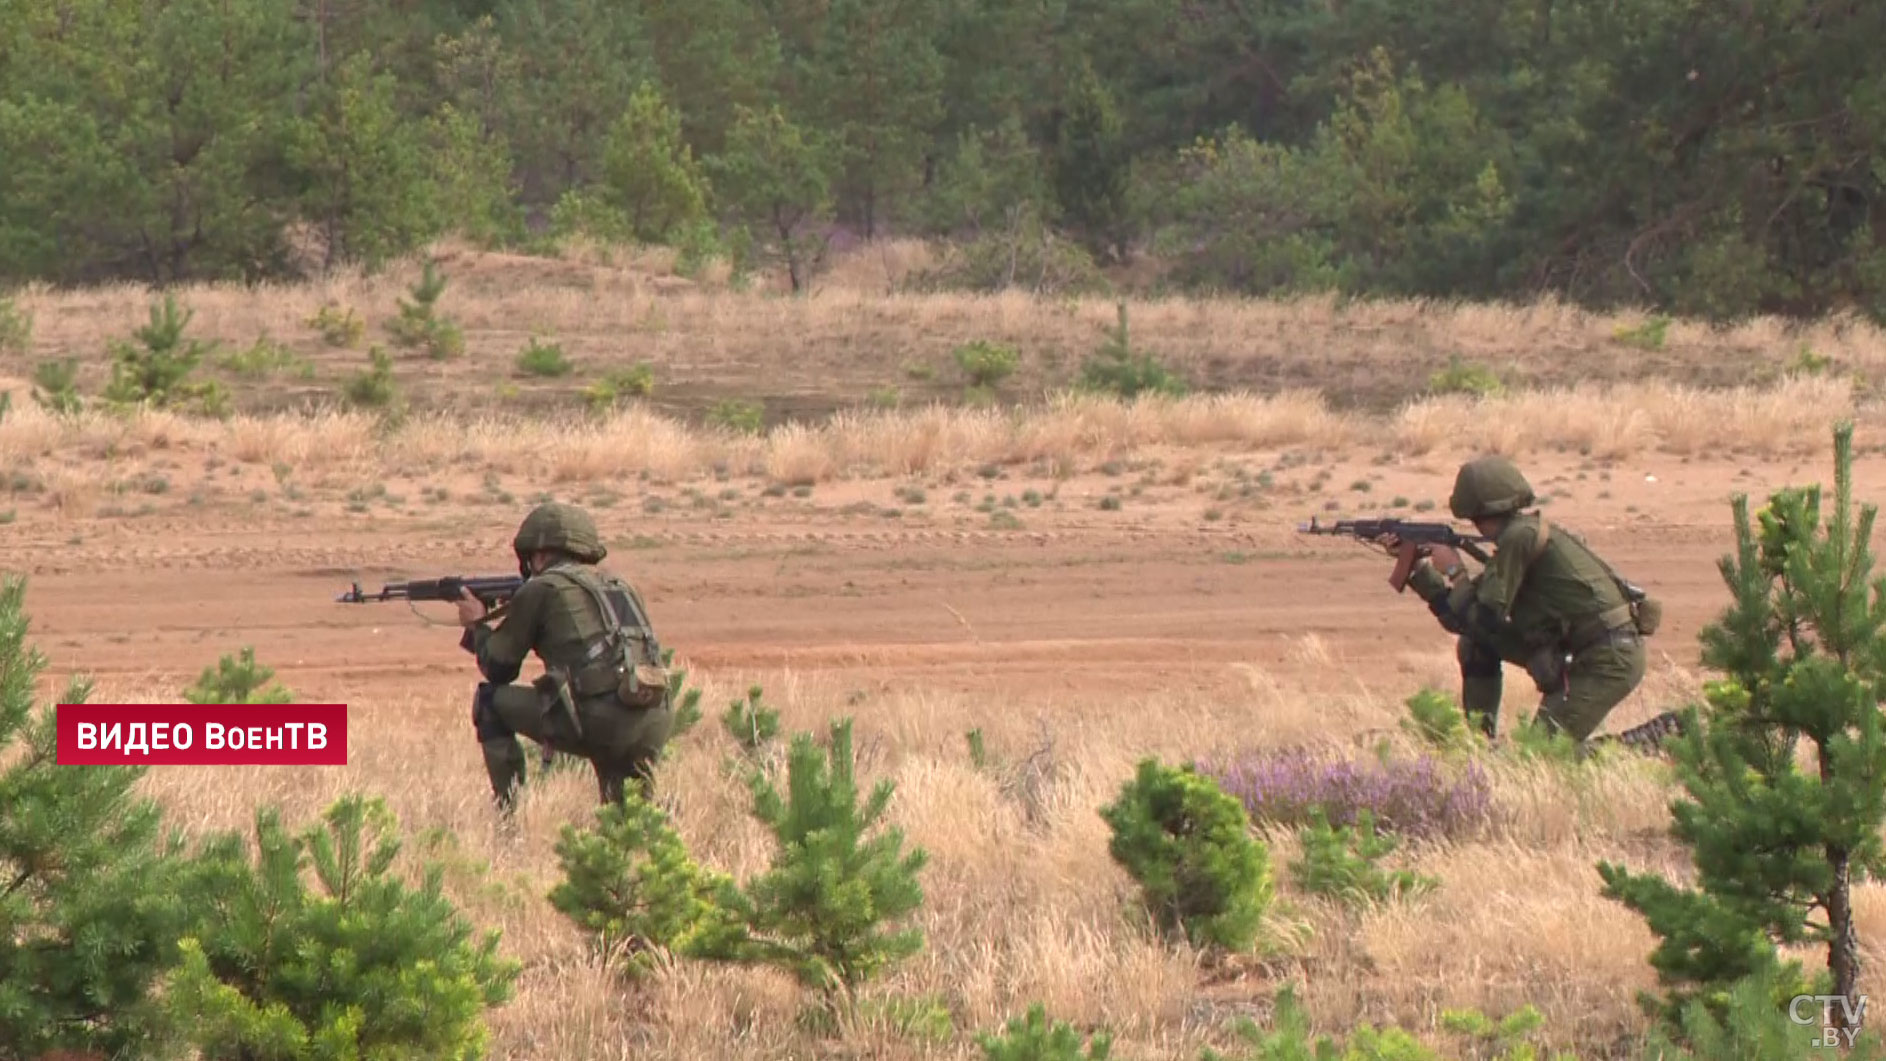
(1447, 559)
(470, 608)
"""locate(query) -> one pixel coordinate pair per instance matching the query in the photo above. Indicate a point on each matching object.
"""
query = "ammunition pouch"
(639, 686)
(1646, 613)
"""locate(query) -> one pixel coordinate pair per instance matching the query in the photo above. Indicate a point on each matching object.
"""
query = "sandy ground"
(1074, 598)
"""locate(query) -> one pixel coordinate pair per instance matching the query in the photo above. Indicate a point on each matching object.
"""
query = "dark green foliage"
(1613, 154)
(1777, 848)
(364, 966)
(839, 878)
(238, 680)
(630, 884)
(1189, 846)
(774, 176)
(1752, 1021)
(91, 897)
(1343, 863)
(1033, 1038)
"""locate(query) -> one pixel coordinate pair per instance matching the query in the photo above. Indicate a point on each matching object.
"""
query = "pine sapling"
(155, 369)
(238, 680)
(1803, 648)
(365, 966)
(750, 722)
(1189, 845)
(1033, 1038)
(91, 900)
(823, 910)
(631, 885)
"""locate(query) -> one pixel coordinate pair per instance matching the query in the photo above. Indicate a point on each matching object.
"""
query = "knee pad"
(485, 718)
(1476, 661)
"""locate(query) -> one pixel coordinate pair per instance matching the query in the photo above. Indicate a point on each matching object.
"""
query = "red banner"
(203, 734)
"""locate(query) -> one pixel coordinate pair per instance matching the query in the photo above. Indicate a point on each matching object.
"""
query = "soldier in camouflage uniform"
(603, 695)
(1546, 602)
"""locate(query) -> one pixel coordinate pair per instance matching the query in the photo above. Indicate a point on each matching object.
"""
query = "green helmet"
(562, 527)
(1489, 486)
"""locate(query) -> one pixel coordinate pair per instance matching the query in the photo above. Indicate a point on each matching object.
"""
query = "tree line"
(1699, 158)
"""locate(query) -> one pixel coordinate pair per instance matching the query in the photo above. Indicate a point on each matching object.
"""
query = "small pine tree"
(91, 903)
(1032, 1038)
(419, 325)
(366, 967)
(1344, 863)
(155, 369)
(1188, 844)
(630, 884)
(750, 722)
(238, 680)
(1748, 1023)
(822, 910)
(1803, 645)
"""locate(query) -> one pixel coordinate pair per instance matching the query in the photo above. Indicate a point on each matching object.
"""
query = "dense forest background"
(1714, 158)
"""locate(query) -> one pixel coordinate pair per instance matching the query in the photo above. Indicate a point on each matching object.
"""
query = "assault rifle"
(1416, 539)
(488, 588)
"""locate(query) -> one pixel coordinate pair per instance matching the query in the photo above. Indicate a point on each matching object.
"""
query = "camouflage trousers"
(621, 743)
(1575, 698)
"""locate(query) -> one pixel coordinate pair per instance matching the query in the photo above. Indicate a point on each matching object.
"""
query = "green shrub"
(1343, 863)
(1189, 846)
(338, 327)
(92, 900)
(986, 364)
(1436, 720)
(55, 386)
(738, 414)
(543, 359)
(365, 966)
(238, 680)
(1032, 1038)
(1465, 377)
(264, 358)
(823, 909)
(373, 388)
(636, 381)
(631, 886)
(155, 370)
(419, 325)
(750, 722)
(1118, 369)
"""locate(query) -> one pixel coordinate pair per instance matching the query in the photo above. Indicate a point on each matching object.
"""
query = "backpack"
(629, 650)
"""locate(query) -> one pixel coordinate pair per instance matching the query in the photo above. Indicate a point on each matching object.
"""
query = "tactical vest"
(625, 659)
(1642, 611)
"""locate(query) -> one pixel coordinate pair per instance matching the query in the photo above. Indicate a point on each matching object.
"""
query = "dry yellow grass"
(857, 333)
(1022, 902)
(1064, 434)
